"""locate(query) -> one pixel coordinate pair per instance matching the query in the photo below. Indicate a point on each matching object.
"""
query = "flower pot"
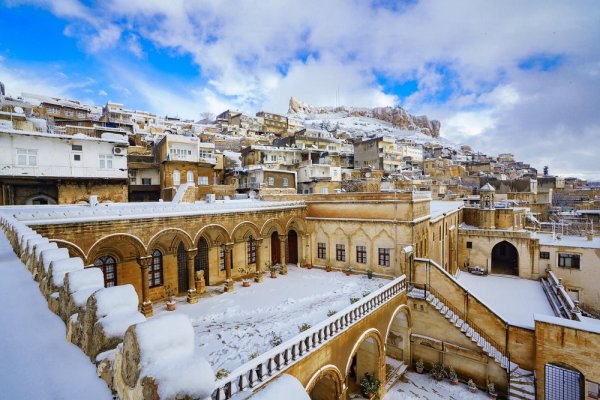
(370, 274)
(419, 370)
(245, 283)
(309, 266)
(347, 273)
(171, 306)
(472, 389)
(328, 268)
(454, 382)
(273, 274)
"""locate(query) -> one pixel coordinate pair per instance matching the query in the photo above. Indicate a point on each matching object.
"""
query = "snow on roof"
(112, 139)
(284, 387)
(438, 207)
(587, 324)
(514, 299)
(47, 215)
(487, 187)
(547, 239)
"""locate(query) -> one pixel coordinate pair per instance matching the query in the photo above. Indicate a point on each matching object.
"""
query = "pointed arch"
(74, 250)
(296, 224)
(327, 371)
(272, 225)
(244, 229)
(178, 235)
(214, 234)
(118, 243)
(369, 333)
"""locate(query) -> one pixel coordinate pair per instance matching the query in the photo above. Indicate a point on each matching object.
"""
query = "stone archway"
(562, 381)
(397, 346)
(326, 384)
(505, 259)
(367, 357)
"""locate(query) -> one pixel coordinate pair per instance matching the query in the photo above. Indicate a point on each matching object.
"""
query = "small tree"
(369, 385)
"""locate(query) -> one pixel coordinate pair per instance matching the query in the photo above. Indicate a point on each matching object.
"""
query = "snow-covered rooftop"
(438, 207)
(514, 299)
(548, 239)
(45, 215)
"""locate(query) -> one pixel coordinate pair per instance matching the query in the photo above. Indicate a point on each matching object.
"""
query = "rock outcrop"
(397, 116)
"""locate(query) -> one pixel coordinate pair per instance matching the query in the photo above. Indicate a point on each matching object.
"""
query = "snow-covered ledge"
(267, 366)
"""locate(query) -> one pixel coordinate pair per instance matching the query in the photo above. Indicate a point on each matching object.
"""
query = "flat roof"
(513, 298)
(547, 239)
(439, 208)
(65, 214)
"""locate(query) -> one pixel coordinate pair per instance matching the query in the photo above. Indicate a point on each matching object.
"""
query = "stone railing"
(265, 367)
(560, 301)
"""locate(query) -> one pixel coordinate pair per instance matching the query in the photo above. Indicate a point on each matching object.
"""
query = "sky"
(507, 76)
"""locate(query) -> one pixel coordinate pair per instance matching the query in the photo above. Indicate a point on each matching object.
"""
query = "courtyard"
(414, 386)
(232, 328)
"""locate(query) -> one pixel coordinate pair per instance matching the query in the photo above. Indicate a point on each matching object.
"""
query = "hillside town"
(158, 241)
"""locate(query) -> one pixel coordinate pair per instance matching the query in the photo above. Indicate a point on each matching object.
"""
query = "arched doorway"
(201, 260)
(397, 345)
(328, 387)
(366, 360)
(275, 258)
(292, 248)
(505, 259)
(182, 272)
(563, 382)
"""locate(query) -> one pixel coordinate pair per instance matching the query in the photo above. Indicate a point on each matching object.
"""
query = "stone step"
(522, 389)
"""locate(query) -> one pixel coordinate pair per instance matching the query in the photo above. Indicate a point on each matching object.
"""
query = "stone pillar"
(282, 247)
(200, 283)
(304, 249)
(228, 257)
(146, 306)
(259, 274)
(192, 296)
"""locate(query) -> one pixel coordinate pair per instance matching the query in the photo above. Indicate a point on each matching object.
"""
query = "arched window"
(190, 177)
(251, 250)
(222, 257)
(176, 177)
(109, 268)
(156, 269)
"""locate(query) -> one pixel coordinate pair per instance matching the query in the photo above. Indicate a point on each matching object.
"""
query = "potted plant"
(348, 270)
(492, 390)
(453, 376)
(369, 273)
(419, 366)
(438, 372)
(472, 386)
(170, 292)
(308, 266)
(328, 268)
(369, 386)
(244, 271)
(273, 270)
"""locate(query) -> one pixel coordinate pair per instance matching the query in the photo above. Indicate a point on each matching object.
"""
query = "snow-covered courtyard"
(513, 298)
(231, 328)
(36, 360)
(423, 386)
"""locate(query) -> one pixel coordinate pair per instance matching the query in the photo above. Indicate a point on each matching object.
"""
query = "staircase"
(521, 382)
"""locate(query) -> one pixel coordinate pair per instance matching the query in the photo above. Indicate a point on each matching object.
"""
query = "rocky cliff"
(396, 116)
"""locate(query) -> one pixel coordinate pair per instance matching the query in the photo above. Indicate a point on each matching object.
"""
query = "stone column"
(192, 295)
(304, 249)
(228, 260)
(259, 274)
(282, 247)
(146, 306)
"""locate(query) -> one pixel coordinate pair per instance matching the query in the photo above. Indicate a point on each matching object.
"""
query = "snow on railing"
(567, 304)
(270, 364)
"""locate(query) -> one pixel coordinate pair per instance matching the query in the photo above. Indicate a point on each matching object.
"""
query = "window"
(155, 274)
(80, 114)
(384, 257)
(340, 252)
(106, 161)
(108, 265)
(68, 113)
(146, 181)
(76, 147)
(222, 257)
(469, 245)
(76, 157)
(190, 177)
(271, 181)
(51, 110)
(324, 190)
(568, 261)
(361, 254)
(273, 158)
(251, 245)
(544, 255)
(203, 180)
(286, 182)
(321, 251)
(331, 148)
(27, 157)
(176, 177)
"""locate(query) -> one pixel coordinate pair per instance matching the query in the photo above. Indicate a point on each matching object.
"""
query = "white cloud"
(102, 93)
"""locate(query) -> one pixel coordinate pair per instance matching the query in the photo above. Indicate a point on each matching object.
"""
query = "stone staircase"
(521, 382)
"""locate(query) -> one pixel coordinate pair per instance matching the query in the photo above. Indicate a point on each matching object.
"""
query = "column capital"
(228, 246)
(192, 252)
(144, 262)
(283, 237)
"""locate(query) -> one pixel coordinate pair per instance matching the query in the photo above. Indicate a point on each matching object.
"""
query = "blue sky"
(506, 77)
